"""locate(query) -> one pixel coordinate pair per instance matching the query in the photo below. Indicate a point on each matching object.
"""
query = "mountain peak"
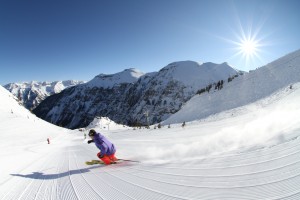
(181, 64)
(130, 75)
(192, 73)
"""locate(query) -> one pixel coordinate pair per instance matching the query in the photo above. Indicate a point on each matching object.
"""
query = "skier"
(107, 149)
(48, 140)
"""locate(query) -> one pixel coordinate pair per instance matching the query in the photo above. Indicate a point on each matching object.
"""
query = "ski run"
(250, 150)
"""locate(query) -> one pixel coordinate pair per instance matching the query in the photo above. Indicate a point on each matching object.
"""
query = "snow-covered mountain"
(109, 81)
(31, 94)
(125, 97)
(246, 89)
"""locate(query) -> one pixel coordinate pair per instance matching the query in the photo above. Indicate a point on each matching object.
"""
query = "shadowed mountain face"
(127, 96)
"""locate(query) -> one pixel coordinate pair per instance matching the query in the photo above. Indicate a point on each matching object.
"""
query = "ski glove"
(90, 141)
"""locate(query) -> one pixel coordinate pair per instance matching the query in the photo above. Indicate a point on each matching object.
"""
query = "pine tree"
(159, 125)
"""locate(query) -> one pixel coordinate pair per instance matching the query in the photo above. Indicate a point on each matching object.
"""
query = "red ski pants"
(107, 159)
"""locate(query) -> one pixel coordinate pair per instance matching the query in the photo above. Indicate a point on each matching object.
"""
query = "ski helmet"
(92, 132)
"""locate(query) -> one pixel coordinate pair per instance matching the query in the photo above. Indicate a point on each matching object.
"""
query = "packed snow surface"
(250, 152)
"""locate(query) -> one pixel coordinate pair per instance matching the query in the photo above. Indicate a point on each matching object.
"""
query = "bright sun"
(248, 43)
(248, 47)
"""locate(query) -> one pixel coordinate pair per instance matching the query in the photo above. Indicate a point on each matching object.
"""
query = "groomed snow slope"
(252, 154)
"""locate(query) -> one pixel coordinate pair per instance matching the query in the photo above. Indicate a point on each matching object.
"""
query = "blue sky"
(48, 40)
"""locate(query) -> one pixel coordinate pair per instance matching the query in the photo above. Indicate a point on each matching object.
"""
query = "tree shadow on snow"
(42, 176)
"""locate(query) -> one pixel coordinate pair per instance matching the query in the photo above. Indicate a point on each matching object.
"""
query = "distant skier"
(48, 140)
(107, 149)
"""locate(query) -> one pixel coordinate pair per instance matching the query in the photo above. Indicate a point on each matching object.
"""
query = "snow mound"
(104, 123)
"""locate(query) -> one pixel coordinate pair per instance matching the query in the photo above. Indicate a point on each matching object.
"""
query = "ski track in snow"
(266, 173)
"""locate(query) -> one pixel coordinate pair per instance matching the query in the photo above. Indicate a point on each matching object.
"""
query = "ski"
(128, 160)
(95, 162)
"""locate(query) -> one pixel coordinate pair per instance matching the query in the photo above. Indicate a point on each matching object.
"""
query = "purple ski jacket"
(105, 146)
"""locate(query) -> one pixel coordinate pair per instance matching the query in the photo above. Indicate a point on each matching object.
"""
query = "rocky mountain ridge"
(145, 99)
(31, 94)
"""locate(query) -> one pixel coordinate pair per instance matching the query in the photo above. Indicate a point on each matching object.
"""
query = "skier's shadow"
(42, 176)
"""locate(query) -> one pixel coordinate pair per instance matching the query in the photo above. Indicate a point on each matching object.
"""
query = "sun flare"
(248, 47)
(248, 44)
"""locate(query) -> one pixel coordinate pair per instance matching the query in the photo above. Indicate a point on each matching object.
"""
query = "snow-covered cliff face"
(31, 94)
(127, 96)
